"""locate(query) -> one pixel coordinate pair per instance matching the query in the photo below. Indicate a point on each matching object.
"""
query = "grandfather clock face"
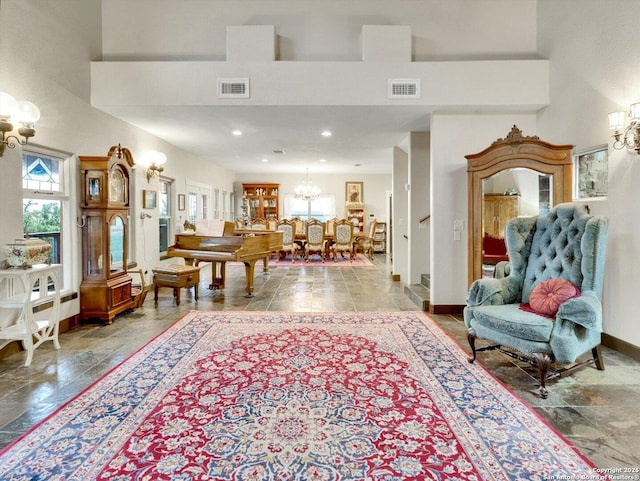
(117, 186)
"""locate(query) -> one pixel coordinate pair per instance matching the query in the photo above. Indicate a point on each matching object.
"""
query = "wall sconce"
(24, 113)
(628, 136)
(154, 161)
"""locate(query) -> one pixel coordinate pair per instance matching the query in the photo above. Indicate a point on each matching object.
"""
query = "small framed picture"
(181, 201)
(590, 171)
(149, 199)
(353, 192)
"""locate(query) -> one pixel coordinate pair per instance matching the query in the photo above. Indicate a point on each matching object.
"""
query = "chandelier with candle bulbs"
(306, 190)
(626, 136)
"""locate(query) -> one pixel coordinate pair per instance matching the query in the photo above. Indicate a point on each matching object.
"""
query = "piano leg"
(249, 269)
(217, 282)
(265, 265)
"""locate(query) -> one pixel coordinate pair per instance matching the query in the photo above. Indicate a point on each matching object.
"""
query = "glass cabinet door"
(116, 244)
(95, 261)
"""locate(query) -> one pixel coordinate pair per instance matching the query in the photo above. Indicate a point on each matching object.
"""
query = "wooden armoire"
(497, 211)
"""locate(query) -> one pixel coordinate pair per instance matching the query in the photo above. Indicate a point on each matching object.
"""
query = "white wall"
(400, 215)
(452, 137)
(308, 30)
(591, 77)
(419, 206)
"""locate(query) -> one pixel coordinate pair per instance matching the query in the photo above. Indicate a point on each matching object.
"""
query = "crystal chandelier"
(306, 190)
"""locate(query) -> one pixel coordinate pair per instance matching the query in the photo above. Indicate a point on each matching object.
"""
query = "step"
(425, 280)
(419, 295)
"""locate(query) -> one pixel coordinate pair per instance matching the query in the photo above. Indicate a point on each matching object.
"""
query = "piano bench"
(176, 276)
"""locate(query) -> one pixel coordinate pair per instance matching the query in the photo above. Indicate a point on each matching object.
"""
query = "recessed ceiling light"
(265, 160)
(326, 133)
(237, 133)
(322, 160)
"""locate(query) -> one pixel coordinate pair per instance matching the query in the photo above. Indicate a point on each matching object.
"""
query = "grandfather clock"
(105, 290)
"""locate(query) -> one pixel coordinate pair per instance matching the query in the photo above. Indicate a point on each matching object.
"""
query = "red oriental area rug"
(315, 260)
(295, 397)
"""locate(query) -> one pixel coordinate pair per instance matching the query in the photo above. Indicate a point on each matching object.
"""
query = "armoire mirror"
(512, 154)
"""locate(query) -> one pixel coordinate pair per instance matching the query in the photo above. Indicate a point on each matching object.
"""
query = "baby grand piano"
(246, 247)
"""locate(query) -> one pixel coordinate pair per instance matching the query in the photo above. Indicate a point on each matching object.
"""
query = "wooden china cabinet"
(262, 200)
(105, 290)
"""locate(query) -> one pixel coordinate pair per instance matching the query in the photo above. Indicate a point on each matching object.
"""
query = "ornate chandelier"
(626, 136)
(21, 116)
(306, 190)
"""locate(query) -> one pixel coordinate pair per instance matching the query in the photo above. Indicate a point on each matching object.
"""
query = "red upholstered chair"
(494, 250)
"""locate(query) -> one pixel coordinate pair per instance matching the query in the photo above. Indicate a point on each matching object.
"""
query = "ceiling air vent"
(403, 89)
(233, 88)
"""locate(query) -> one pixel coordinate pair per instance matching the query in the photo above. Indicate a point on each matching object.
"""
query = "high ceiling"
(361, 142)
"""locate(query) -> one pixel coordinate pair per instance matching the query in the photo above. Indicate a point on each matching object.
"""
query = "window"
(46, 207)
(198, 201)
(216, 203)
(322, 208)
(164, 214)
(205, 206)
(544, 193)
(192, 207)
(224, 204)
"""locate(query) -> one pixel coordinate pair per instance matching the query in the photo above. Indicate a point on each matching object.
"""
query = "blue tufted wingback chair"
(566, 243)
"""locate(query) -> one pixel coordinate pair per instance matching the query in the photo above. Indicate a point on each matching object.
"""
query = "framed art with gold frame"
(353, 192)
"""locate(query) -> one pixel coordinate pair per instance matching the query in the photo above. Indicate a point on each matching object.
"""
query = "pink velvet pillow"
(546, 297)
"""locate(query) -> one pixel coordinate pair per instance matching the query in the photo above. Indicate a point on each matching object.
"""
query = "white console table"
(22, 290)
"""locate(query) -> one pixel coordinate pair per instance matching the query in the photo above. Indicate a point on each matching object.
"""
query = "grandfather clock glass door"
(117, 249)
(95, 240)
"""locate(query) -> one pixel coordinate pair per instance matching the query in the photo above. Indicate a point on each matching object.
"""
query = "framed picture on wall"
(181, 201)
(149, 199)
(353, 192)
(590, 172)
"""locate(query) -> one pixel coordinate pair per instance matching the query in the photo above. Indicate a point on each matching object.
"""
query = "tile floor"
(598, 411)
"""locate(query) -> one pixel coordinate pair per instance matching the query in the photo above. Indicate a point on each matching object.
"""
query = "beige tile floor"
(598, 411)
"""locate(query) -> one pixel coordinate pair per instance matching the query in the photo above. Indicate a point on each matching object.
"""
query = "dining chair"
(330, 226)
(366, 243)
(289, 246)
(343, 239)
(315, 239)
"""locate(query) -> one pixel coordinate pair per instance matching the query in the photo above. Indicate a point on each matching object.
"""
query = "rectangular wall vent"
(233, 88)
(403, 89)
